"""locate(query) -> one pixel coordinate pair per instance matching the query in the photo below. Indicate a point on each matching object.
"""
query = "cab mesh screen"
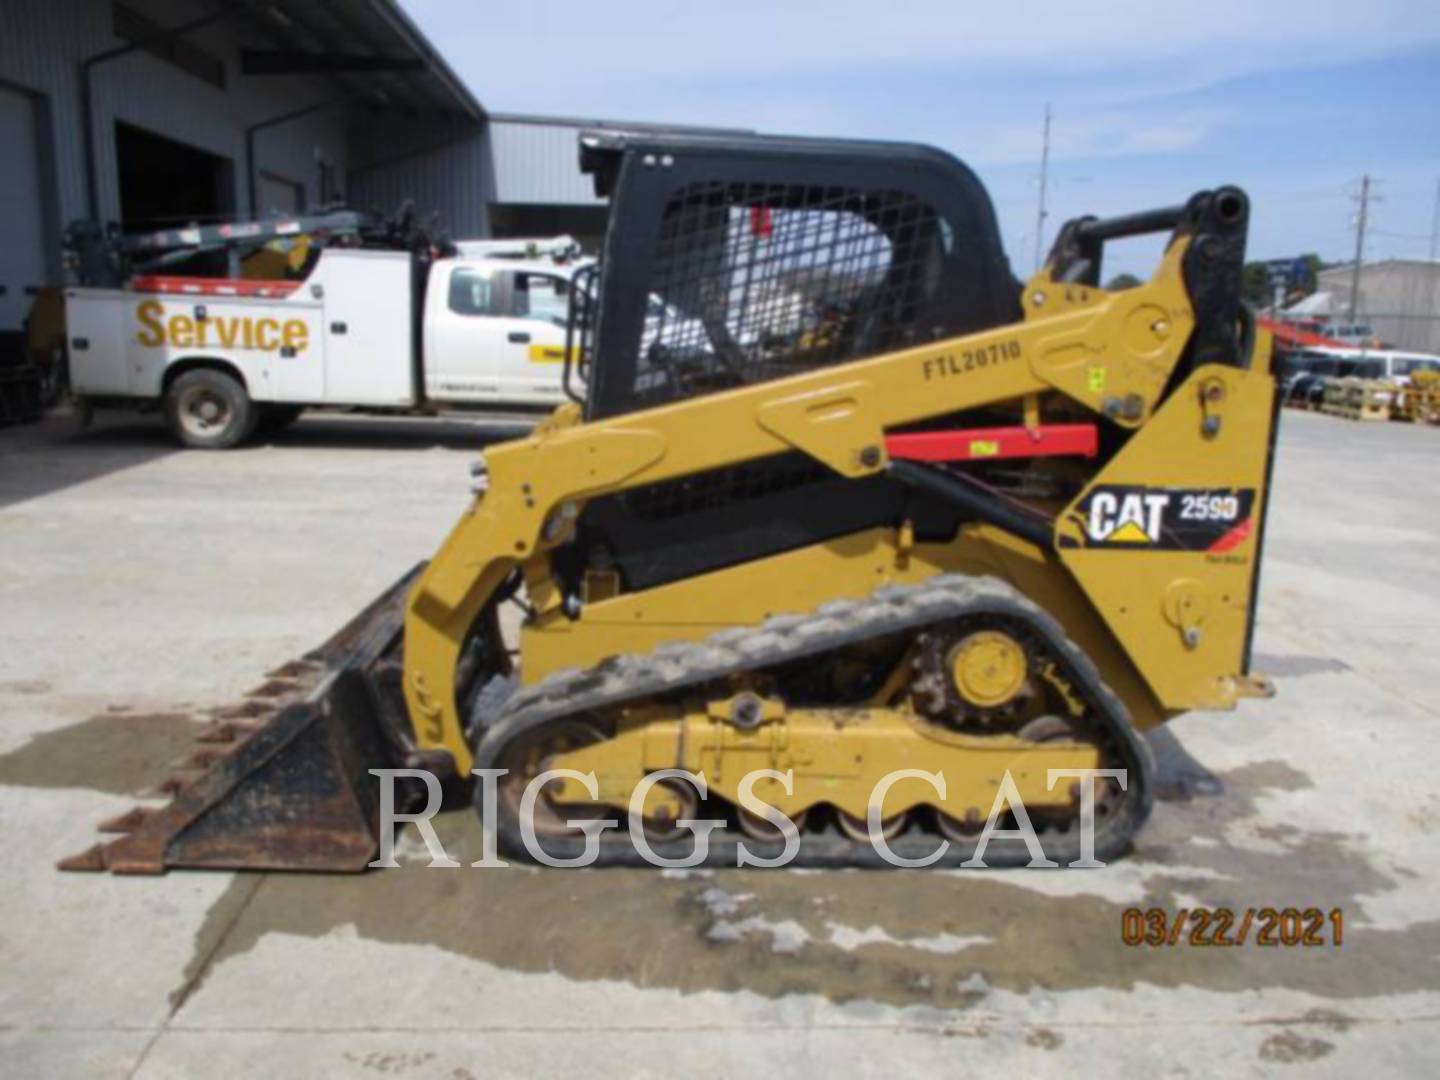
(751, 282)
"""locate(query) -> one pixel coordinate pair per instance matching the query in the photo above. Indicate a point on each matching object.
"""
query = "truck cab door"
(488, 339)
(464, 338)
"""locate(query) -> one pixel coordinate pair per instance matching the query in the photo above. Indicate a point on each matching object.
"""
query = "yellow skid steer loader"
(838, 497)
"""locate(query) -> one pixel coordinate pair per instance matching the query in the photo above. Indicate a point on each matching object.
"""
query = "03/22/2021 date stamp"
(1223, 927)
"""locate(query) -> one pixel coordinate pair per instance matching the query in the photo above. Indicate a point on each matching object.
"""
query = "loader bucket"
(293, 790)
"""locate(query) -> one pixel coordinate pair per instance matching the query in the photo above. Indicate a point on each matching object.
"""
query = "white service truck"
(365, 327)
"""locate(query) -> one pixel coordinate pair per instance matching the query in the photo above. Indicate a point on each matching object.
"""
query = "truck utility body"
(400, 327)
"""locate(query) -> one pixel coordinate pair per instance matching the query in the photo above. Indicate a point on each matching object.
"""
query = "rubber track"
(889, 610)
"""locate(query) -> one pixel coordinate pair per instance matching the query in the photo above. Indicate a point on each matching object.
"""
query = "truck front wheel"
(209, 410)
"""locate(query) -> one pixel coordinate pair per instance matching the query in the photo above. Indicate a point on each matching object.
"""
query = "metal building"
(153, 113)
(519, 176)
(1398, 298)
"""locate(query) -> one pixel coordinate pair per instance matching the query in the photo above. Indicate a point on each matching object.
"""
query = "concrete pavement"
(141, 586)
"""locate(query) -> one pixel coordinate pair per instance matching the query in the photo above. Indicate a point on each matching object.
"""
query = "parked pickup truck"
(368, 325)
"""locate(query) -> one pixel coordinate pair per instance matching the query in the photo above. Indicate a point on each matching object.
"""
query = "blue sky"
(1292, 100)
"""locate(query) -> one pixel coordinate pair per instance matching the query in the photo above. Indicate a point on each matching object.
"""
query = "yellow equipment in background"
(839, 497)
(1419, 399)
(279, 259)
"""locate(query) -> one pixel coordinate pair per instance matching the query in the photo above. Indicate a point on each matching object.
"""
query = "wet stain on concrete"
(937, 940)
(213, 933)
(24, 686)
(1295, 667)
(1330, 1019)
(123, 753)
(1043, 1038)
(390, 1064)
(779, 933)
(1290, 1048)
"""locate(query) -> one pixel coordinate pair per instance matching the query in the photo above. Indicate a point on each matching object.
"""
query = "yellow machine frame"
(1167, 631)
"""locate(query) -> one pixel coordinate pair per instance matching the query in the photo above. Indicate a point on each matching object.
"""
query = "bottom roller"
(294, 792)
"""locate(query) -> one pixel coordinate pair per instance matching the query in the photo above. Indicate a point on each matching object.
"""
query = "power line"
(1430, 236)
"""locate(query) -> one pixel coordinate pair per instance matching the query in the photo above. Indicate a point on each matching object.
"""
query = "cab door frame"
(473, 356)
(542, 340)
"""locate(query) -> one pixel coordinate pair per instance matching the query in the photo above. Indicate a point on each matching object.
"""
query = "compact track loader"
(837, 497)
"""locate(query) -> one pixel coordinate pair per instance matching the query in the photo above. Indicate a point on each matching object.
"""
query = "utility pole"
(1360, 223)
(1044, 179)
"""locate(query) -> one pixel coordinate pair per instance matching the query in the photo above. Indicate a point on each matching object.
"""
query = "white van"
(1391, 364)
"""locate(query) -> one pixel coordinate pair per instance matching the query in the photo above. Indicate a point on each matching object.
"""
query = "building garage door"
(22, 223)
(164, 183)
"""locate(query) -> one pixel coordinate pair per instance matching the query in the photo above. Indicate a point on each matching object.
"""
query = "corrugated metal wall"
(1400, 299)
(41, 50)
(539, 163)
(28, 62)
(461, 176)
(513, 162)
(444, 168)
